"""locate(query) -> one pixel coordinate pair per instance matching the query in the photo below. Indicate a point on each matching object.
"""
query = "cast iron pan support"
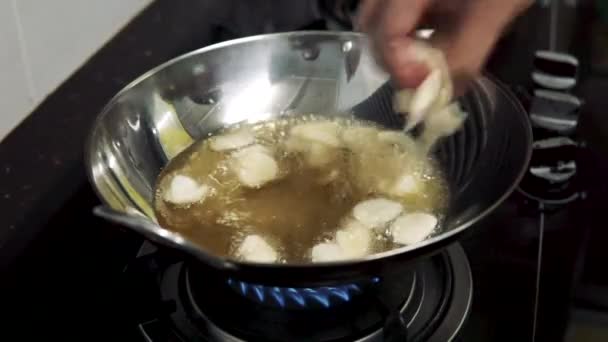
(395, 328)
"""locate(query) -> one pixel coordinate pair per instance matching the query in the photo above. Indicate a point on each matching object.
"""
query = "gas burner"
(299, 298)
(427, 302)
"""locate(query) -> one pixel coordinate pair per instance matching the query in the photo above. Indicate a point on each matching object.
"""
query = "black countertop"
(41, 160)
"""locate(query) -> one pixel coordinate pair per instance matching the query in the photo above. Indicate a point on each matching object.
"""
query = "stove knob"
(555, 70)
(555, 111)
(552, 174)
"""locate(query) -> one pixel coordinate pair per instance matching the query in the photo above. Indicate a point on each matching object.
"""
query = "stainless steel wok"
(263, 77)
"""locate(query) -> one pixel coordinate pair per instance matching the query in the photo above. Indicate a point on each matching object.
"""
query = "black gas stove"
(429, 302)
(87, 279)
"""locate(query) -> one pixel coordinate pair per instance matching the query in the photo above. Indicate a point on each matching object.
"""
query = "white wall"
(42, 42)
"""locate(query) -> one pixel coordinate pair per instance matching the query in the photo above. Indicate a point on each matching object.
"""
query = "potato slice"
(324, 132)
(329, 177)
(403, 100)
(232, 141)
(398, 138)
(447, 121)
(185, 190)
(255, 248)
(406, 184)
(412, 228)
(435, 59)
(327, 251)
(377, 212)
(355, 239)
(296, 144)
(320, 155)
(317, 142)
(359, 137)
(254, 166)
(433, 94)
(425, 96)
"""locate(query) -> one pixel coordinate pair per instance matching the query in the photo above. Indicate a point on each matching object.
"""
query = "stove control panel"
(554, 114)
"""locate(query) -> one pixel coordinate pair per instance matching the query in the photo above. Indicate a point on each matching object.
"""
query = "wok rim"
(234, 264)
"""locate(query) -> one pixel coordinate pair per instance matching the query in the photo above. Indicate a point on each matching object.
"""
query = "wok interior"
(260, 78)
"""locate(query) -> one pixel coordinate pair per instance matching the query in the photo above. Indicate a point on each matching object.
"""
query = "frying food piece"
(320, 155)
(185, 190)
(425, 95)
(412, 228)
(355, 239)
(357, 137)
(317, 141)
(398, 138)
(255, 248)
(296, 144)
(402, 100)
(442, 124)
(232, 141)
(405, 185)
(327, 251)
(377, 212)
(254, 166)
(324, 132)
(433, 94)
(435, 59)
(329, 177)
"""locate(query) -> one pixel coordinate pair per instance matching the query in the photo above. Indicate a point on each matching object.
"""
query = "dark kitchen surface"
(62, 269)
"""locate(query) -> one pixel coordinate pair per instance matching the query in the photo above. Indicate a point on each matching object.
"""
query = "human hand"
(465, 30)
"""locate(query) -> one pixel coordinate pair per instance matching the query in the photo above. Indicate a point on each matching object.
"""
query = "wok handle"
(156, 233)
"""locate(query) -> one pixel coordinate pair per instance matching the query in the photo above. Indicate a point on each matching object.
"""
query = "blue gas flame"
(292, 297)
